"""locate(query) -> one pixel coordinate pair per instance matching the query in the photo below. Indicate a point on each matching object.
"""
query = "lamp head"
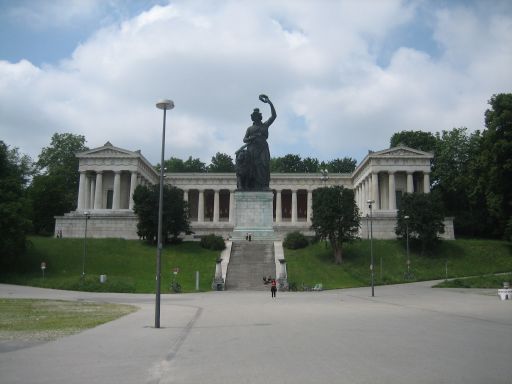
(406, 217)
(165, 104)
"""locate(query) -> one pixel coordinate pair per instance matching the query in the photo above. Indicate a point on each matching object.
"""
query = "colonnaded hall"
(109, 176)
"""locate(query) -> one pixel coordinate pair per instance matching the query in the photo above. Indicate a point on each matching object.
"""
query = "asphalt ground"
(407, 333)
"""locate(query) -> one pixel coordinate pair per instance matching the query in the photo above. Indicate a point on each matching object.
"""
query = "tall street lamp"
(165, 105)
(406, 218)
(87, 217)
(370, 205)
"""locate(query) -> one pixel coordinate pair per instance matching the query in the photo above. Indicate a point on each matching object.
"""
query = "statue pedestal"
(254, 215)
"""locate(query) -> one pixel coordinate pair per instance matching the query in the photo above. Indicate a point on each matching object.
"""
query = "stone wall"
(110, 224)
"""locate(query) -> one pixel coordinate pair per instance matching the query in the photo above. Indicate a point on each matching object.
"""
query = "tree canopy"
(335, 217)
(424, 141)
(425, 221)
(345, 165)
(295, 164)
(496, 161)
(14, 206)
(221, 163)
(175, 219)
(54, 189)
(190, 165)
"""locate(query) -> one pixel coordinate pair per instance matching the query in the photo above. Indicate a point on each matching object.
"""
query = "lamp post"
(87, 217)
(165, 105)
(370, 204)
(406, 218)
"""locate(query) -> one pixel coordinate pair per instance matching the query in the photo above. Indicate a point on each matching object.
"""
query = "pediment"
(108, 150)
(401, 151)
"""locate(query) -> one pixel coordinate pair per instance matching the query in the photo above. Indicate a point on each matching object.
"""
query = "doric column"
(410, 183)
(81, 192)
(392, 192)
(133, 185)
(279, 210)
(294, 205)
(309, 206)
(426, 182)
(90, 202)
(358, 201)
(87, 198)
(185, 195)
(116, 200)
(375, 189)
(231, 205)
(98, 193)
(200, 206)
(216, 206)
(363, 196)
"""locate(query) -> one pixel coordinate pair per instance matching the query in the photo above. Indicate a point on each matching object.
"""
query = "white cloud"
(313, 59)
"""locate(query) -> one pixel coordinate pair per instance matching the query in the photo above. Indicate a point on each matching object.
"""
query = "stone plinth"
(254, 215)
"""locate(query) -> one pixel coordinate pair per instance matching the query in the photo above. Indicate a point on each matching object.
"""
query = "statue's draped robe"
(259, 154)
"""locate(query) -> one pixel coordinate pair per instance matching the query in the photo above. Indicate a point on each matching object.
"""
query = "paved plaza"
(408, 333)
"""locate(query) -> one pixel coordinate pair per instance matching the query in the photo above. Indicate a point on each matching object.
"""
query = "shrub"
(213, 242)
(295, 240)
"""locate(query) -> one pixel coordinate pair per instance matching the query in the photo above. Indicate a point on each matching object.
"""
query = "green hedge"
(213, 242)
(295, 240)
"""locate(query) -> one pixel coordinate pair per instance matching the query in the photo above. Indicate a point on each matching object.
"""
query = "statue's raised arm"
(265, 99)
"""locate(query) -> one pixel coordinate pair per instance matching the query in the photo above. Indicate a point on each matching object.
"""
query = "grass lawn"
(130, 265)
(42, 320)
(314, 264)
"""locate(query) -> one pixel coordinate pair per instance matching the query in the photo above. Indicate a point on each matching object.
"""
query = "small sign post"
(43, 267)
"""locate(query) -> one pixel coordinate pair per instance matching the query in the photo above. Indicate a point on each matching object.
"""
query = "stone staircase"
(249, 262)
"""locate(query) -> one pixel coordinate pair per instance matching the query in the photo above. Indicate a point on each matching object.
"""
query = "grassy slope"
(464, 258)
(130, 265)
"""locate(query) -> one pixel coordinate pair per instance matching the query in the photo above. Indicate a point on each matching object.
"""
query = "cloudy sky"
(343, 75)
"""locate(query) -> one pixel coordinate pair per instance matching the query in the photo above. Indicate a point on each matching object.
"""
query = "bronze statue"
(253, 159)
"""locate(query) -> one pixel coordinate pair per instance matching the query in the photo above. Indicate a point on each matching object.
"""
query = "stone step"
(249, 262)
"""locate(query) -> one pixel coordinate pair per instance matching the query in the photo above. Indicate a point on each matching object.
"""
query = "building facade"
(109, 176)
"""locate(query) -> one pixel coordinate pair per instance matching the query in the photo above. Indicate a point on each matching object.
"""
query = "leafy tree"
(454, 178)
(424, 141)
(425, 219)
(221, 162)
(287, 164)
(55, 189)
(174, 217)
(496, 162)
(310, 165)
(194, 165)
(335, 217)
(345, 165)
(60, 156)
(46, 192)
(173, 165)
(14, 207)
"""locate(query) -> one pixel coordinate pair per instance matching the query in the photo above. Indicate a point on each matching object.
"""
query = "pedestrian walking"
(273, 288)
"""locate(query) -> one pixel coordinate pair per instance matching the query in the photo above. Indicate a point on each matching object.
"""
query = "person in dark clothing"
(273, 288)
